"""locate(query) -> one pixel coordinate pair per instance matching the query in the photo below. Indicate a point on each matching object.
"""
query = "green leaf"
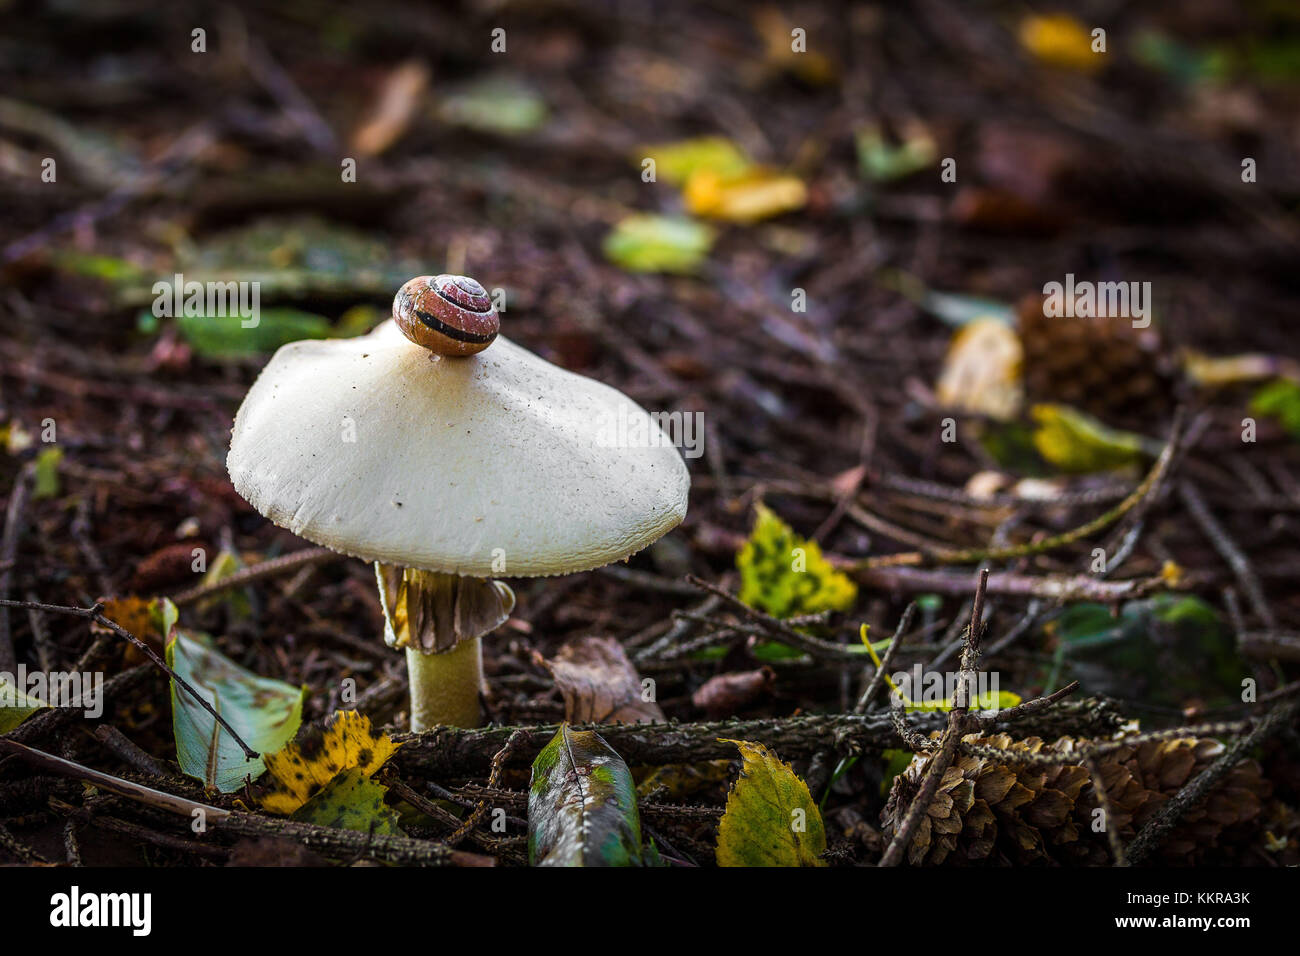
(582, 804)
(894, 763)
(1185, 64)
(771, 819)
(46, 484)
(498, 105)
(882, 161)
(953, 308)
(225, 564)
(645, 243)
(1163, 651)
(351, 801)
(224, 336)
(108, 269)
(1011, 445)
(786, 575)
(1075, 442)
(1280, 400)
(958, 310)
(1088, 625)
(264, 712)
(15, 705)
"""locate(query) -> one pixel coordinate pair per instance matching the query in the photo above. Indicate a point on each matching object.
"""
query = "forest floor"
(516, 168)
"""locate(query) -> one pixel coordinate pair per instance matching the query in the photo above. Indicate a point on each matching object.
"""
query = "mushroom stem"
(438, 618)
(445, 686)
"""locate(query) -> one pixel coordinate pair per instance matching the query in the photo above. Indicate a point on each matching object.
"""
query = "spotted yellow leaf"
(311, 762)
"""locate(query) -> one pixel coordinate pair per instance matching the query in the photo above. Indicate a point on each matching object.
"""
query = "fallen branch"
(459, 753)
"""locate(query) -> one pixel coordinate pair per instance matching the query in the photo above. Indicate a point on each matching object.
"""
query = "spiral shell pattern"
(446, 314)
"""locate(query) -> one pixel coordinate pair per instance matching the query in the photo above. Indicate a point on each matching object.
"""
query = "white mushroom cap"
(496, 465)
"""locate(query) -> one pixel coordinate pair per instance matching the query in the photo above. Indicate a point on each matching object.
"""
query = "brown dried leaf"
(599, 684)
(725, 694)
(398, 102)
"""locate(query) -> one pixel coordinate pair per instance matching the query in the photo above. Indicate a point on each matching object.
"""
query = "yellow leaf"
(676, 162)
(789, 52)
(1211, 371)
(981, 373)
(1060, 40)
(771, 819)
(1073, 441)
(308, 764)
(744, 197)
(681, 780)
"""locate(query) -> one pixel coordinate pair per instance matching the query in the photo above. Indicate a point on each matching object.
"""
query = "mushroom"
(449, 470)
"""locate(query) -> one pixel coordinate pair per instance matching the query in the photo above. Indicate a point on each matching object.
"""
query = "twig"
(45, 655)
(498, 845)
(297, 107)
(136, 832)
(647, 581)
(93, 613)
(494, 778)
(1025, 708)
(257, 572)
(1027, 620)
(327, 839)
(129, 752)
(878, 678)
(47, 721)
(680, 628)
(1228, 550)
(15, 520)
(1099, 748)
(959, 721)
(977, 555)
(19, 849)
(1061, 588)
(1107, 809)
(1270, 645)
(777, 629)
(185, 147)
(70, 845)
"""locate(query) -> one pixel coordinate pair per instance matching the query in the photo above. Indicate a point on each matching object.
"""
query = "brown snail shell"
(446, 314)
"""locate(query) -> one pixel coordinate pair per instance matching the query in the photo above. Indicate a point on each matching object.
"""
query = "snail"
(446, 314)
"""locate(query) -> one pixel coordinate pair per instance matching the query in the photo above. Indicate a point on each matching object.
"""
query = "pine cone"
(987, 812)
(1103, 366)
